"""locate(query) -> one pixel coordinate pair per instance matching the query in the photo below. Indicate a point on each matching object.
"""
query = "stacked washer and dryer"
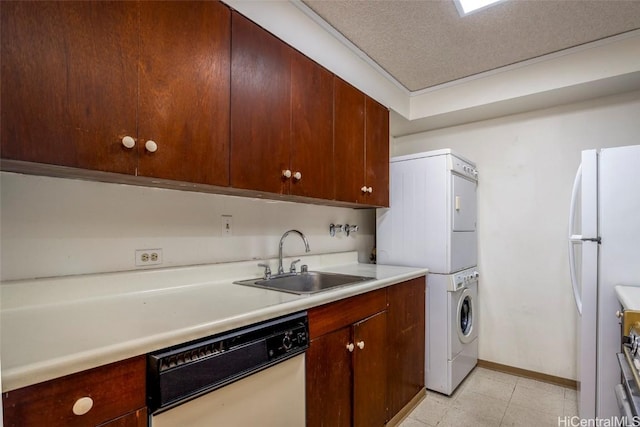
(431, 223)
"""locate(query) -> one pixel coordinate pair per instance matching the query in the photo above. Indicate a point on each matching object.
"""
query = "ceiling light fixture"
(466, 7)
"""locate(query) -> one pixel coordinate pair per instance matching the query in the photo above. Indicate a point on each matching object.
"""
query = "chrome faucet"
(306, 248)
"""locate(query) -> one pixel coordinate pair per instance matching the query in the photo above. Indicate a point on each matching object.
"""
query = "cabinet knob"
(151, 146)
(286, 173)
(619, 314)
(369, 190)
(350, 347)
(297, 176)
(83, 405)
(364, 189)
(360, 345)
(128, 142)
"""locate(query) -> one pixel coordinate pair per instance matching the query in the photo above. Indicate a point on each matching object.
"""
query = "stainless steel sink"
(305, 283)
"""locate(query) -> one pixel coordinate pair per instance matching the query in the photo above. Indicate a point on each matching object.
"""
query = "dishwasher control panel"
(287, 341)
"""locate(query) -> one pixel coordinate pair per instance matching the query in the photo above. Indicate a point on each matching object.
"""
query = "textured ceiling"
(425, 43)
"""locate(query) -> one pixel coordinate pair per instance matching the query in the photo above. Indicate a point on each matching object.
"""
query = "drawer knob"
(83, 405)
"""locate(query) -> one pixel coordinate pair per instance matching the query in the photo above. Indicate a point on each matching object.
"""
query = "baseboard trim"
(551, 379)
(404, 412)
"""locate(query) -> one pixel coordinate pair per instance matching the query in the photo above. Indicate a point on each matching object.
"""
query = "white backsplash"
(56, 227)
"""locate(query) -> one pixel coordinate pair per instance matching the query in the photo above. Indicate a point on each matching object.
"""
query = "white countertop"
(58, 326)
(629, 296)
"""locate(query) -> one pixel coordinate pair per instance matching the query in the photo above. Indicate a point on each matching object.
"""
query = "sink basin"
(305, 283)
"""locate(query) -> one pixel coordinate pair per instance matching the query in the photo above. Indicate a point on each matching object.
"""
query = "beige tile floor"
(489, 398)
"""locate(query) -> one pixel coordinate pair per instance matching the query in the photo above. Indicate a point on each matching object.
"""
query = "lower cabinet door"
(405, 343)
(329, 379)
(370, 371)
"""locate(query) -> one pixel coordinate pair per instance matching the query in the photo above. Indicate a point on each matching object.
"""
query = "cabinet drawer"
(115, 390)
(335, 315)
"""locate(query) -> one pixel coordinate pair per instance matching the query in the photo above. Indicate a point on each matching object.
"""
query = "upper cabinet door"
(348, 141)
(185, 51)
(377, 154)
(69, 83)
(260, 108)
(311, 129)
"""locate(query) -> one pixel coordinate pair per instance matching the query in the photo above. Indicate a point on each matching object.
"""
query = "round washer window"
(466, 316)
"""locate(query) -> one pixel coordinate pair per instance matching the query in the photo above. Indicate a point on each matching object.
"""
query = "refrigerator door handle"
(574, 239)
(592, 239)
(577, 238)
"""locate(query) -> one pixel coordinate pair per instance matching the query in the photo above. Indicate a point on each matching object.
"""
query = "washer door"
(465, 317)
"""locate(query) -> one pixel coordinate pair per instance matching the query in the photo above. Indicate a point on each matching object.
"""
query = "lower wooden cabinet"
(346, 362)
(111, 395)
(369, 371)
(329, 378)
(406, 342)
(365, 361)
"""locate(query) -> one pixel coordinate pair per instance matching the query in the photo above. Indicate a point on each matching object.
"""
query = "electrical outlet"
(145, 257)
(227, 225)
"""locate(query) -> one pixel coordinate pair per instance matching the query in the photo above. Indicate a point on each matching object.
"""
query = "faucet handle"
(292, 269)
(348, 229)
(335, 228)
(267, 271)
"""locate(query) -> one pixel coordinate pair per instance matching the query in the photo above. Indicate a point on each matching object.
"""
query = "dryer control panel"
(462, 167)
(463, 278)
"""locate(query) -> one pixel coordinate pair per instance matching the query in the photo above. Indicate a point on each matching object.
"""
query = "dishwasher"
(254, 375)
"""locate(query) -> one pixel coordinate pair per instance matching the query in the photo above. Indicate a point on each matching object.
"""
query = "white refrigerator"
(604, 251)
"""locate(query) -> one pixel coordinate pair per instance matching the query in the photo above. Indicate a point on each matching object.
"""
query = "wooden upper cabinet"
(361, 147)
(77, 77)
(203, 94)
(376, 153)
(311, 129)
(260, 108)
(69, 83)
(348, 141)
(185, 53)
(281, 116)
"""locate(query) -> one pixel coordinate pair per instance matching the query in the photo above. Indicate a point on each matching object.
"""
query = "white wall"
(527, 164)
(53, 227)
